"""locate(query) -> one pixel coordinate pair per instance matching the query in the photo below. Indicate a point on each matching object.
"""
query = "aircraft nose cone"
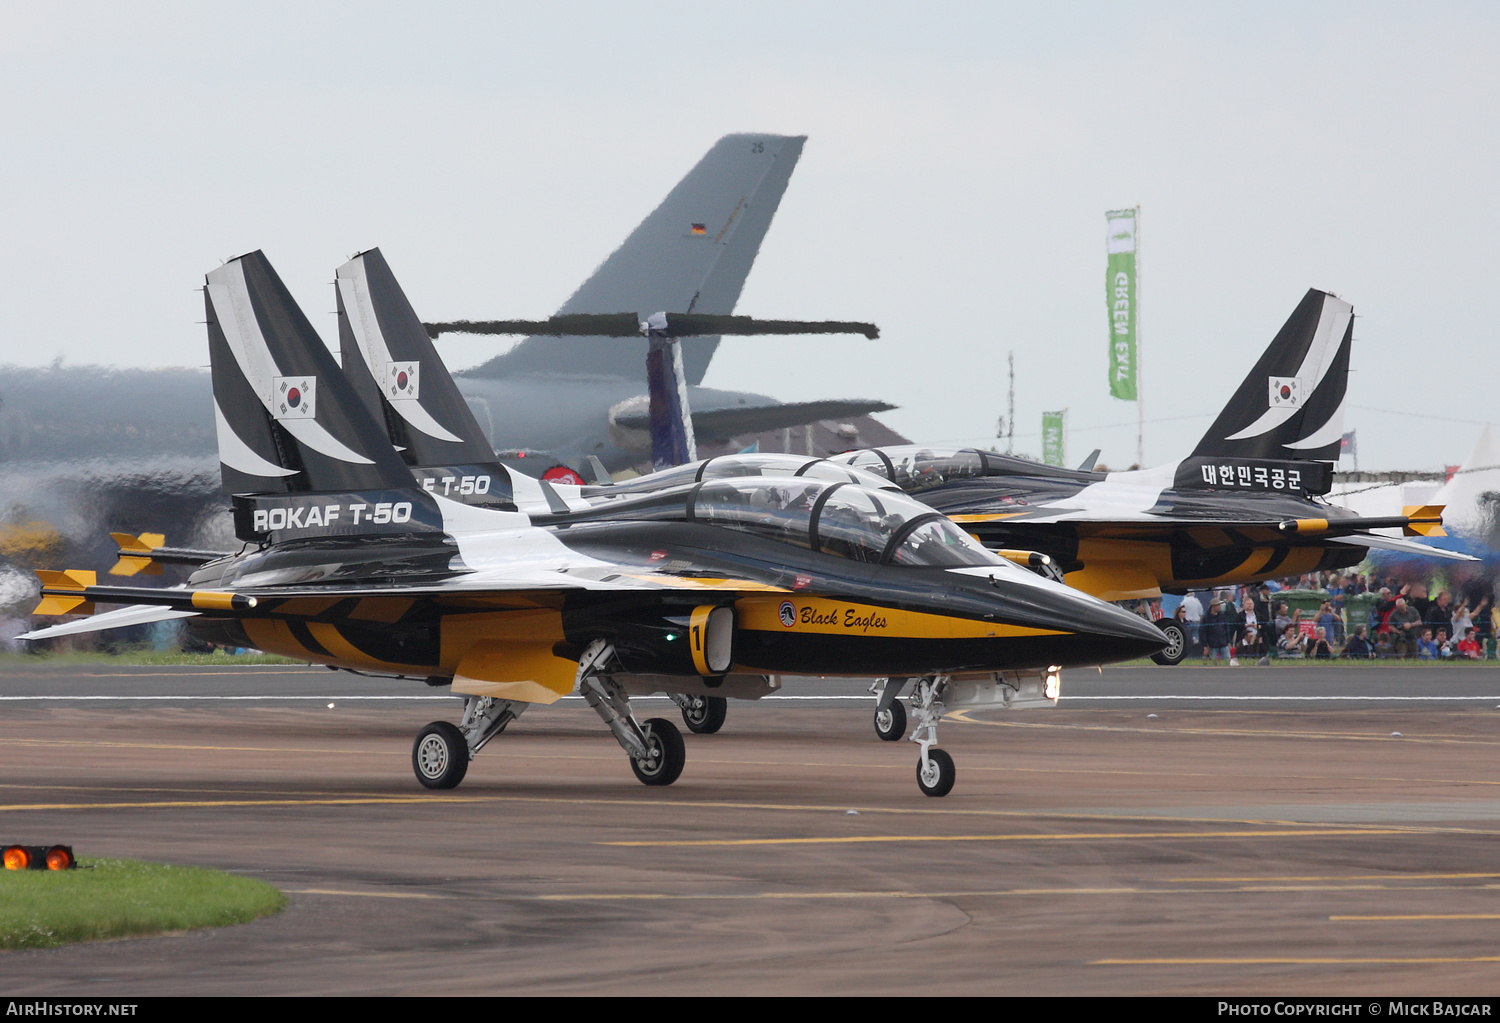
(1103, 631)
(1082, 630)
(1132, 632)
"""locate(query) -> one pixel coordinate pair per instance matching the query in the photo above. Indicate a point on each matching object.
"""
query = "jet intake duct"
(711, 635)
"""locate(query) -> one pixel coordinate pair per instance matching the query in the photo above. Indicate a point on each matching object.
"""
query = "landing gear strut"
(935, 770)
(704, 715)
(655, 748)
(440, 756)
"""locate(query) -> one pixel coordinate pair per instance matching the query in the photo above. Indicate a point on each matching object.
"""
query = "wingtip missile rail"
(147, 553)
(75, 592)
(1417, 520)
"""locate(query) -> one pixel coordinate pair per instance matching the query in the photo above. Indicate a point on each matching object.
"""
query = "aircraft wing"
(1396, 543)
(135, 614)
(720, 424)
(1131, 524)
(75, 592)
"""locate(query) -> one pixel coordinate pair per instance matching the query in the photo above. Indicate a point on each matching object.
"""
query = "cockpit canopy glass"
(876, 527)
(779, 510)
(742, 466)
(938, 543)
(914, 467)
(857, 525)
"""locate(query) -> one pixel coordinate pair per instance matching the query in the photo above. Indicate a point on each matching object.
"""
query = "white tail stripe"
(355, 289)
(1333, 321)
(231, 298)
(309, 432)
(1324, 435)
(238, 455)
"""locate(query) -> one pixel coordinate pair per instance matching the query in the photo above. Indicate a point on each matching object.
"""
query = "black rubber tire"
(705, 715)
(1177, 642)
(895, 723)
(944, 772)
(440, 756)
(670, 754)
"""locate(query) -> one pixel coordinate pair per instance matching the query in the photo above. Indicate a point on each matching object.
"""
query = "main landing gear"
(890, 715)
(655, 748)
(704, 715)
(1177, 642)
(935, 770)
(440, 757)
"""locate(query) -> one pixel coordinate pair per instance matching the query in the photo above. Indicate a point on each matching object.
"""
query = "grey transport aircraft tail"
(691, 255)
(1291, 406)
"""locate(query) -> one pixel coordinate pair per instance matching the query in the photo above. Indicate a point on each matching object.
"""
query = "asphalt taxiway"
(1185, 830)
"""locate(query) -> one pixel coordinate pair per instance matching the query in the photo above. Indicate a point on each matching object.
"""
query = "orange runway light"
(39, 857)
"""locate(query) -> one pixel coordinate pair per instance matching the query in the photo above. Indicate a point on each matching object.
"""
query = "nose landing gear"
(935, 770)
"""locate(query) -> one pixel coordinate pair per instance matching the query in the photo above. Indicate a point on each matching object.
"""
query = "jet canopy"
(746, 465)
(914, 467)
(881, 527)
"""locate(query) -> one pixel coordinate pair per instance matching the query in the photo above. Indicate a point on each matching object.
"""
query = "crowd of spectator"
(1403, 619)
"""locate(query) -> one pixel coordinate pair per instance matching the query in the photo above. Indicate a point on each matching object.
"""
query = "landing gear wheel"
(890, 724)
(1177, 642)
(704, 715)
(935, 775)
(440, 756)
(667, 754)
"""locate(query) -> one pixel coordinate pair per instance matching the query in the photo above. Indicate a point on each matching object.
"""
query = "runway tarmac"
(1244, 840)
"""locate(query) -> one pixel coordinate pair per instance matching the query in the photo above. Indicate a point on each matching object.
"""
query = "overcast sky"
(953, 188)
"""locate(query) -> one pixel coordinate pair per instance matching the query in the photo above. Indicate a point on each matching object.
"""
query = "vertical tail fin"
(1291, 406)
(672, 440)
(691, 255)
(398, 374)
(288, 419)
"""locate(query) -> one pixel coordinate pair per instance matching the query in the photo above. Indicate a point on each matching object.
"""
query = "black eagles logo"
(788, 614)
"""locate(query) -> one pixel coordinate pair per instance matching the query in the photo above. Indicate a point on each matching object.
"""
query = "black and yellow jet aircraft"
(1244, 507)
(711, 587)
(393, 365)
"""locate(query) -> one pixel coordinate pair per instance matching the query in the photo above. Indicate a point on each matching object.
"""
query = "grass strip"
(124, 898)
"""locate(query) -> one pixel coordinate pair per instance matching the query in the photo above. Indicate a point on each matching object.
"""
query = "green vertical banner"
(1119, 285)
(1054, 440)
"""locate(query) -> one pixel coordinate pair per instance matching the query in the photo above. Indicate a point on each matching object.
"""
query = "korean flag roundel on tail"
(402, 380)
(294, 397)
(1285, 392)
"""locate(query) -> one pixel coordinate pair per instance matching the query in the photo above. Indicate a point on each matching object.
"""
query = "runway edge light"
(39, 857)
